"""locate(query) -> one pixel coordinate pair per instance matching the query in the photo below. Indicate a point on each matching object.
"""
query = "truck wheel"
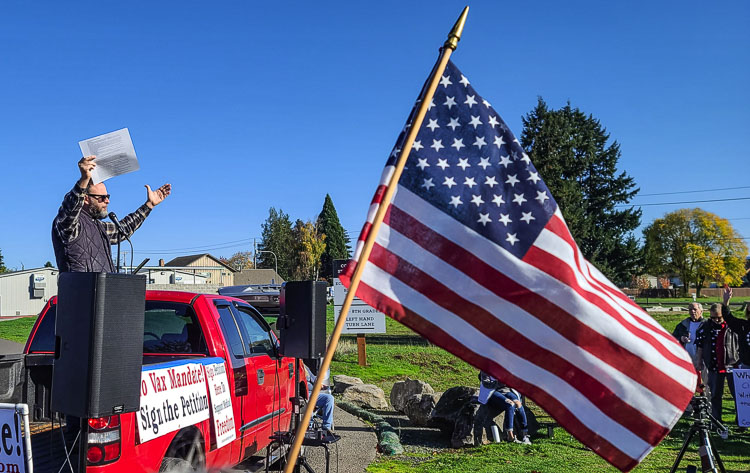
(175, 465)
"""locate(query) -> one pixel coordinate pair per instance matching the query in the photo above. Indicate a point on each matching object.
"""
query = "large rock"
(402, 390)
(450, 404)
(419, 407)
(463, 429)
(367, 396)
(341, 382)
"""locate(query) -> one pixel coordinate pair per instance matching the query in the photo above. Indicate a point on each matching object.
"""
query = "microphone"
(117, 223)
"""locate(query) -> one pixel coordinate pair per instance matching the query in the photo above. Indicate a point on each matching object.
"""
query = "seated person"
(502, 397)
(324, 402)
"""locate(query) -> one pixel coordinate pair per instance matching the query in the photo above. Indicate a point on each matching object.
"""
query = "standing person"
(81, 240)
(717, 350)
(686, 330)
(739, 326)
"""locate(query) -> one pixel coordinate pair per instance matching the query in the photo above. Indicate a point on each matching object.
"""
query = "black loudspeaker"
(302, 322)
(99, 344)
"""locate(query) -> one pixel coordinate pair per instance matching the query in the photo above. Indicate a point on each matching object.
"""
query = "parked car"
(264, 297)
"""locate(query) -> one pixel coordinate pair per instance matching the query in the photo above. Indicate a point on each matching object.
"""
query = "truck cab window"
(259, 338)
(231, 331)
(172, 328)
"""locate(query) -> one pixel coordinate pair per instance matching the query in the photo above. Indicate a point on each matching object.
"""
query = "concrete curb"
(388, 441)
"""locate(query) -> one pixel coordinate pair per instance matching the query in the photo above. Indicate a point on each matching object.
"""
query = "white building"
(165, 275)
(26, 292)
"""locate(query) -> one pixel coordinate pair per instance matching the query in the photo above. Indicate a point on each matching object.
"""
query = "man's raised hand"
(727, 294)
(154, 198)
(86, 166)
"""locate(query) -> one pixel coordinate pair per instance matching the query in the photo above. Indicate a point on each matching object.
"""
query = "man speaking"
(81, 240)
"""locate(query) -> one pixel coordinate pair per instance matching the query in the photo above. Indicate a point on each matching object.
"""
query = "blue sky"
(243, 106)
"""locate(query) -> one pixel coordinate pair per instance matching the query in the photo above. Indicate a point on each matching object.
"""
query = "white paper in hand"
(114, 153)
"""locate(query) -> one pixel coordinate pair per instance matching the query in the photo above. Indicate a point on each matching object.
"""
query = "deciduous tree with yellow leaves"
(310, 246)
(697, 246)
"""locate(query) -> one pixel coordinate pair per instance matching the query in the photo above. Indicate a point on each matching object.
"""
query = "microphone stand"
(118, 250)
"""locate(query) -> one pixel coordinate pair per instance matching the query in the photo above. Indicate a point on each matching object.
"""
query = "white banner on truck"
(221, 404)
(172, 398)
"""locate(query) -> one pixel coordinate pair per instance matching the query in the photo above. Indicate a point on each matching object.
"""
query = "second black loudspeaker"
(302, 321)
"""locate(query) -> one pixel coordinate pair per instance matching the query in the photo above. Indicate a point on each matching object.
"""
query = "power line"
(683, 202)
(209, 246)
(693, 192)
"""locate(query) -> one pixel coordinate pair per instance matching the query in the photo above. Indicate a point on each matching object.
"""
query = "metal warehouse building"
(26, 292)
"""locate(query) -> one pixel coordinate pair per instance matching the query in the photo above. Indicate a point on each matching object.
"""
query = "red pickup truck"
(184, 335)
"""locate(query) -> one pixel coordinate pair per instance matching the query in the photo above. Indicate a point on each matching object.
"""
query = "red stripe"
(552, 315)
(559, 269)
(549, 403)
(557, 226)
(596, 392)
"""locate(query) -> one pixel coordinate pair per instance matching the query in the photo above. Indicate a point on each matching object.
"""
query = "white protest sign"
(172, 398)
(742, 396)
(221, 404)
(11, 442)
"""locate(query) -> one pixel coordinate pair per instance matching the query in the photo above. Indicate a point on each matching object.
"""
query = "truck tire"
(175, 465)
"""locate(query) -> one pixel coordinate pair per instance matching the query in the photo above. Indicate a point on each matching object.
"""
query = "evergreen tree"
(3, 269)
(337, 241)
(277, 238)
(570, 151)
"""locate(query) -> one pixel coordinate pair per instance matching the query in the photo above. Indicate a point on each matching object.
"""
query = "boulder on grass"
(418, 408)
(463, 429)
(402, 390)
(341, 382)
(367, 396)
(450, 404)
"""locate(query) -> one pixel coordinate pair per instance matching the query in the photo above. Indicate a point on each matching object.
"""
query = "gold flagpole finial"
(455, 35)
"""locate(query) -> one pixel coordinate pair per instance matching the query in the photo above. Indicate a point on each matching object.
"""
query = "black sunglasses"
(100, 197)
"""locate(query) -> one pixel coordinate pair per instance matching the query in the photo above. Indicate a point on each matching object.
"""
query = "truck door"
(272, 378)
(243, 398)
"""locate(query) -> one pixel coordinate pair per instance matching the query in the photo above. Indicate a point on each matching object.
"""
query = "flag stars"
(396, 152)
(479, 142)
(484, 162)
(427, 184)
(445, 81)
(505, 219)
(493, 121)
(527, 217)
(484, 219)
(475, 121)
(498, 200)
(432, 104)
(433, 124)
(443, 163)
(519, 199)
(525, 158)
(449, 181)
(423, 164)
(464, 81)
(463, 163)
(489, 181)
(512, 180)
(437, 145)
(499, 141)
(453, 124)
(511, 238)
(477, 199)
(470, 101)
(534, 177)
(458, 144)
(504, 161)
(541, 196)
(469, 181)
(450, 102)
(486, 103)
(417, 145)
(455, 201)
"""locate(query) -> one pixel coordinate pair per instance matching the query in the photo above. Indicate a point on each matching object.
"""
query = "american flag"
(475, 256)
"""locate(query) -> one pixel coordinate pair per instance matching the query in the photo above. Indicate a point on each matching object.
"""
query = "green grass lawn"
(17, 330)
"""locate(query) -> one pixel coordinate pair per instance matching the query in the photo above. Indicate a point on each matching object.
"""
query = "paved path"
(10, 348)
(351, 454)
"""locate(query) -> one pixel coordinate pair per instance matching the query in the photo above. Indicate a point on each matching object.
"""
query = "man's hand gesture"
(726, 294)
(154, 198)
(86, 166)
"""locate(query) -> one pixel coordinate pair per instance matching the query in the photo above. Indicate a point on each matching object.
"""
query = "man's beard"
(99, 214)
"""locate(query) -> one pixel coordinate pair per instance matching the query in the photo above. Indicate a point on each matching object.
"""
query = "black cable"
(693, 192)
(682, 202)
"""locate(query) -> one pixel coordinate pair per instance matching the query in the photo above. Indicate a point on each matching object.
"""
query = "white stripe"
(476, 341)
(539, 282)
(385, 179)
(652, 406)
(556, 246)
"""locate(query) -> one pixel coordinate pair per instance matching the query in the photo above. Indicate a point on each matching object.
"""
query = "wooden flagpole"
(448, 47)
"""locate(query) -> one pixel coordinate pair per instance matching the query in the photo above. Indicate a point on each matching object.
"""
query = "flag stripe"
(466, 343)
(568, 326)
